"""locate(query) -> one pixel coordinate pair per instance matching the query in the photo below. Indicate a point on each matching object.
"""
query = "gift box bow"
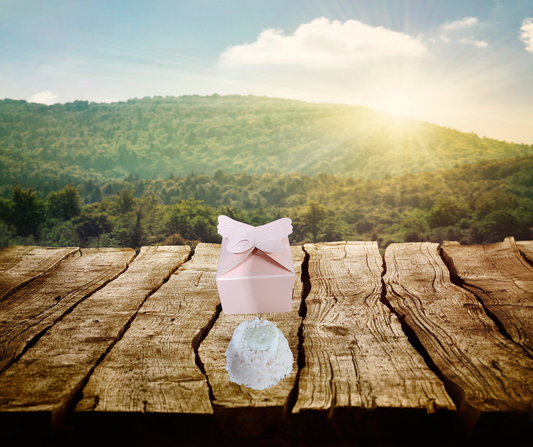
(241, 239)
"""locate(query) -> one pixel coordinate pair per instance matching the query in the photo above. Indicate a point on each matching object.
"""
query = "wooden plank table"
(485, 372)
(435, 346)
(502, 280)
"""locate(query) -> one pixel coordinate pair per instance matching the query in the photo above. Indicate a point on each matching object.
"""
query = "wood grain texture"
(13, 255)
(503, 281)
(19, 265)
(526, 248)
(357, 357)
(484, 371)
(152, 369)
(30, 311)
(239, 410)
(46, 379)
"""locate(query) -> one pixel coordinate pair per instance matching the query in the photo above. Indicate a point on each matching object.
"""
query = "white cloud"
(456, 27)
(476, 43)
(526, 34)
(324, 44)
(463, 23)
(46, 97)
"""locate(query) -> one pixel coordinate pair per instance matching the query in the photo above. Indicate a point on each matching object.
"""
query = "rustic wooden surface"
(232, 402)
(149, 347)
(526, 248)
(356, 354)
(483, 370)
(33, 309)
(503, 281)
(43, 384)
(152, 369)
(19, 265)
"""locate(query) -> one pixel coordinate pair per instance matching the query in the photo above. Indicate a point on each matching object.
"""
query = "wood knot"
(337, 330)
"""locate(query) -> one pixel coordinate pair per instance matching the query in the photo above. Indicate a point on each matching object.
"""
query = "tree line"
(479, 203)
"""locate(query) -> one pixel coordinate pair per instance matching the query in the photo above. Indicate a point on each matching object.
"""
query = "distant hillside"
(275, 192)
(49, 146)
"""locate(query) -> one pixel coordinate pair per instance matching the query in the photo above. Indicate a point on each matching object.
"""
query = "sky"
(463, 64)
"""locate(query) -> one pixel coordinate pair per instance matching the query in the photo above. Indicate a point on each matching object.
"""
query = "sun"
(395, 102)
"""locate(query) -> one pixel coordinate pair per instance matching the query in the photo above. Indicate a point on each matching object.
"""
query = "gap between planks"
(240, 410)
(145, 404)
(271, 406)
(20, 265)
(488, 375)
(361, 374)
(502, 280)
(163, 364)
(43, 384)
(29, 312)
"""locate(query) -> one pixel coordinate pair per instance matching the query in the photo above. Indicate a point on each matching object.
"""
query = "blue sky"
(463, 64)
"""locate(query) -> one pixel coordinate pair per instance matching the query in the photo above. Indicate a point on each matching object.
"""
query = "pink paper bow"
(243, 237)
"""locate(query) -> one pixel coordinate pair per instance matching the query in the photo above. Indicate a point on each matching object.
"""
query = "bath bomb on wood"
(258, 355)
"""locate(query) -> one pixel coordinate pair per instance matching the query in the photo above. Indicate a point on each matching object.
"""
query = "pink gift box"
(255, 270)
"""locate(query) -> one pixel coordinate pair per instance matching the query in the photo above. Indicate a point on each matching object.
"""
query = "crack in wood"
(23, 268)
(302, 312)
(336, 300)
(355, 350)
(501, 280)
(240, 410)
(155, 348)
(79, 394)
(457, 348)
(53, 359)
(196, 346)
(49, 279)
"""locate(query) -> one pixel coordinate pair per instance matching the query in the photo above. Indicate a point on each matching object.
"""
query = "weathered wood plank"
(152, 369)
(31, 310)
(526, 248)
(19, 265)
(484, 371)
(357, 357)
(499, 276)
(13, 255)
(43, 383)
(239, 410)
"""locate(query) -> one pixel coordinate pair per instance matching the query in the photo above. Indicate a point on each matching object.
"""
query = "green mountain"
(47, 147)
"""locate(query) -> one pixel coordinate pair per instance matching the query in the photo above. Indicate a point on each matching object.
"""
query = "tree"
(64, 204)
(26, 211)
(193, 221)
(314, 217)
(125, 200)
(500, 224)
(494, 201)
(413, 227)
(447, 212)
(232, 212)
(87, 225)
(5, 209)
(129, 229)
(6, 233)
(174, 239)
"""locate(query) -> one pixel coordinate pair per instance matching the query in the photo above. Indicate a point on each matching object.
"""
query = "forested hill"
(46, 147)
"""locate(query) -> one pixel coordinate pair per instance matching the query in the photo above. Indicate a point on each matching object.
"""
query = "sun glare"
(396, 103)
(408, 98)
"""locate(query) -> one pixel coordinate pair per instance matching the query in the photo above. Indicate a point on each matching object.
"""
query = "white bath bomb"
(258, 355)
